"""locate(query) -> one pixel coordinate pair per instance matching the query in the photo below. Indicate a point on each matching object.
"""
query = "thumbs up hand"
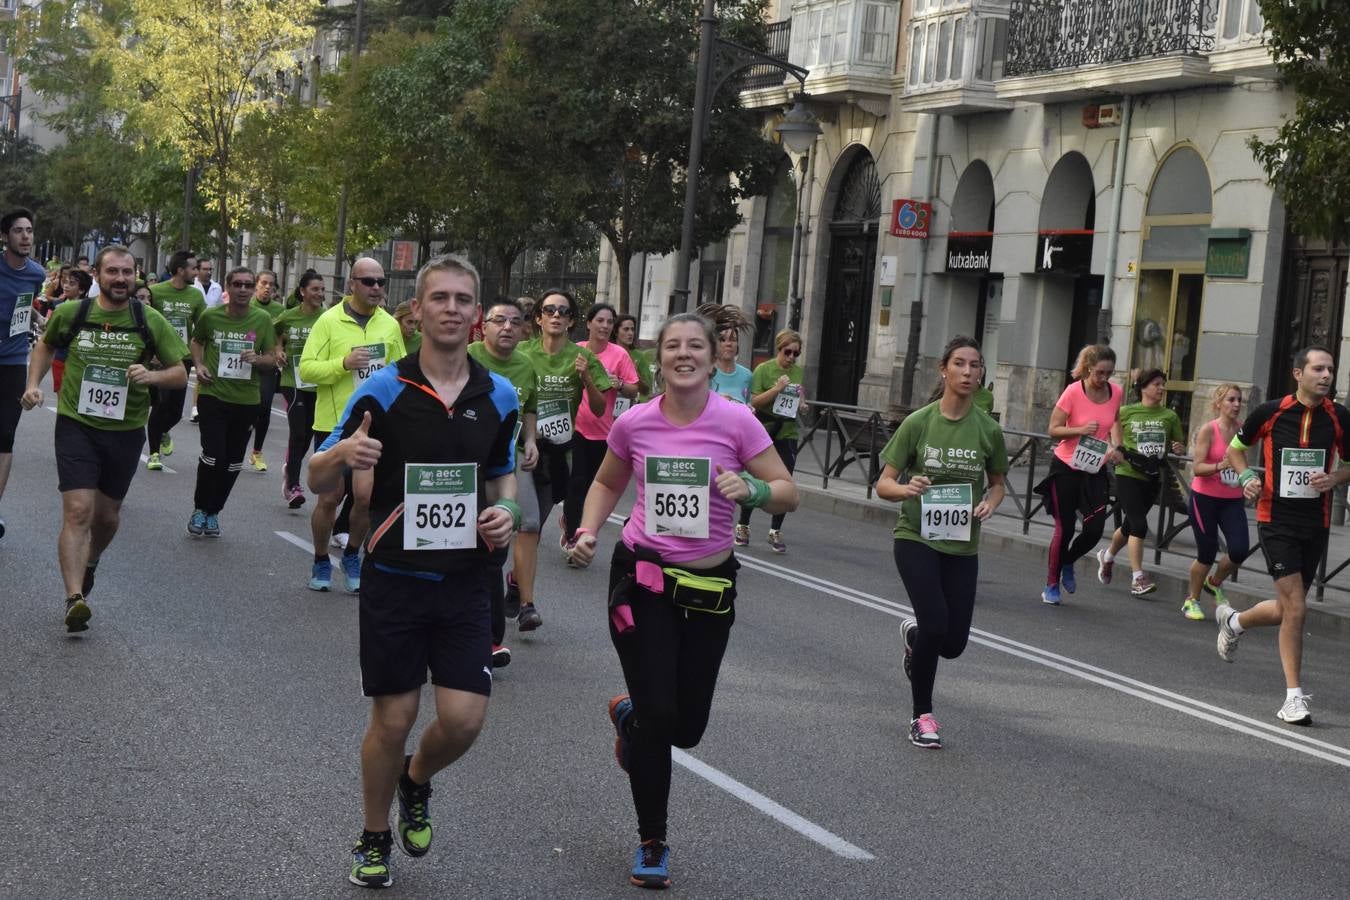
(361, 450)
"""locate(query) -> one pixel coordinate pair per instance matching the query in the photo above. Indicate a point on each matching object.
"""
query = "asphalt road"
(201, 739)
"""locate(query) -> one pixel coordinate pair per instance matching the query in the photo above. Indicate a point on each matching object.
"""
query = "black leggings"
(587, 455)
(1064, 498)
(1134, 498)
(166, 411)
(941, 588)
(300, 423)
(13, 380)
(670, 662)
(267, 389)
(224, 431)
(787, 451)
(1211, 515)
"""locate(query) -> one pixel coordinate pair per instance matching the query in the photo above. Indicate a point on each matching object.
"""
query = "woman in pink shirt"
(1084, 422)
(672, 579)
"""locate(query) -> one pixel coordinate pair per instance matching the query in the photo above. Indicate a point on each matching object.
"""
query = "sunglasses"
(241, 284)
(371, 281)
(792, 354)
(565, 311)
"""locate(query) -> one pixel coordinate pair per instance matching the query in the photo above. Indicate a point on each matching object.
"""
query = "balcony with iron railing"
(954, 54)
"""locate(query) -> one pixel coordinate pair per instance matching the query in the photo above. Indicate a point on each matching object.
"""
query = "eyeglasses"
(241, 284)
(505, 320)
(564, 311)
(371, 281)
(792, 354)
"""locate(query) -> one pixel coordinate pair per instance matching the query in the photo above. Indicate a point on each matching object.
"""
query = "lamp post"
(798, 131)
(718, 60)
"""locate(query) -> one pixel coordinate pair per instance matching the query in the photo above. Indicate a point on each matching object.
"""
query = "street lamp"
(718, 60)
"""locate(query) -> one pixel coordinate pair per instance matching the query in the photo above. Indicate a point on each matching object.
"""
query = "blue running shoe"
(212, 528)
(620, 708)
(1066, 579)
(1050, 595)
(197, 524)
(351, 570)
(321, 575)
(651, 868)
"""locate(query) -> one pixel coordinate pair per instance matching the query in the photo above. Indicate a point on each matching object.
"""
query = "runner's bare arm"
(39, 363)
(609, 484)
(768, 467)
(890, 488)
(997, 488)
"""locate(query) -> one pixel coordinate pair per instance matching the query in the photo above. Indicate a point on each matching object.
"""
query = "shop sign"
(1229, 253)
(911, 219)
(1064, 252)
(969, 252)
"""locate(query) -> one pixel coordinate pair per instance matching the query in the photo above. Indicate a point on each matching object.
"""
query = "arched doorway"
(975, 294)
(1064, 246)
(848, 286)
(1174, 240)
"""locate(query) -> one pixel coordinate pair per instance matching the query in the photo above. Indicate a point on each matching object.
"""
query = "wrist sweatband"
(513, 508)
(1246, 476)
(760, 492)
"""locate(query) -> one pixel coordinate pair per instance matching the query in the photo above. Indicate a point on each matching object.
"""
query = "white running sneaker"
(1296, 710)
(1228, 638)
(339, 540)
(1104, 567)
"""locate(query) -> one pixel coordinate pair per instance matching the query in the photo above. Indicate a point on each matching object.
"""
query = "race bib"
(1089, 454)
(945, 512)
(300, 383)
(1229, 477)
(1151, 443)
(361, 375)
(440, 506)
(1297, 468)
(555, 421)
(231, 364)
(621, 405)
(787, 401)
(180, 325)
(676, 496)
(22, 318)
(103, 393)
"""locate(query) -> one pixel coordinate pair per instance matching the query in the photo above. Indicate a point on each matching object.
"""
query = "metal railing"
(854, 437)
(1049, 35)
(765, 76)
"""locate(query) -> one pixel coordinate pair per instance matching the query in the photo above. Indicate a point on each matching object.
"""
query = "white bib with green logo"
(231, 364)
(1151, 443)
(676, 496)
(1089, 454)
(180, 325)
(945, 512)
(440, 506)
(787, 402)
(22, 317)
(103, 393)
(1297, 468)
(554, 421)
(361, 374)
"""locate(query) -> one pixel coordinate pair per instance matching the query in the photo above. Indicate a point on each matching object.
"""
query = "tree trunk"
(623, 256)
(506, 258)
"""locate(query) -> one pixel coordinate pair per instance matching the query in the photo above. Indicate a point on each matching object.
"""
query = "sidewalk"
(1003, 534)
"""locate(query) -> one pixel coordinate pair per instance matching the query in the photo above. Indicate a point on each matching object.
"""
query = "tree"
(1307, 162)
(602, 136)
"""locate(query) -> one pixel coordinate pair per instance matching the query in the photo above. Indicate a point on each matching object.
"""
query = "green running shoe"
(77, 613)
(153, 464)
(370, 861)
(166, 446)
(1191, 610)
(1215, 590)
(414, 814)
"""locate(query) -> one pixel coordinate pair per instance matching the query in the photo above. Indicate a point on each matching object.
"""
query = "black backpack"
(81, 322)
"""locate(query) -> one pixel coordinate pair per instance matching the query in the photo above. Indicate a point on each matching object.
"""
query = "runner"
(1216, 503)
(946, 449)
(1083, 419)
(21, 282)
(407, 323)
(182, 304)
(777, 396)
(730, 378)
(672, 577)
(349, 343)
(625, 335)
(293, 328)
(214, 295)
(100, 413)
(588, 446)
(564, 372)
(231, 343)
(434, 431)
(1148, 430)
(496, 352)
(265, 298)
(1299, 434)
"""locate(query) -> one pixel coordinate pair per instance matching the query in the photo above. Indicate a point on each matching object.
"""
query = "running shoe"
(1142, 585)
(370, 861)
(256, 460)
(166, 446)
(414, 814)
(501, 656)
(1228, 638)
(511, 604)
(742, 538)
(212, 528)
(620, 708)
(351, 571)
(197, 524)
(1296, 710)
(529, 618)
(923, 732)
(339, 540)
(295, 497)
(1104, 567)
(321, 575)
(651, 868)
(77, 613)
(908, 630)
(1191, 610)
(1213, 590)
(193, 417)
(776, 541)
(87, 585)
(1050, 595)
(1066, 579)
(152, 464)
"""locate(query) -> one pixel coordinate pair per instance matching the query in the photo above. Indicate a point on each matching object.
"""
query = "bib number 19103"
(946, 511)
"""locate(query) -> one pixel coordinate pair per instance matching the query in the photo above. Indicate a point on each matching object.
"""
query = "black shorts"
(410, 625)
(94, 459)
(1292, 549)
(13, 379)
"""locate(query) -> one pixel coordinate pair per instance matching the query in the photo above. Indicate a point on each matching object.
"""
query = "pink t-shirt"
(1082, 410)
(1213, 485)
(725, 433)
(620, 367)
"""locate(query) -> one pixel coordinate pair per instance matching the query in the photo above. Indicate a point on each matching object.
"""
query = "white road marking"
(307, 546)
